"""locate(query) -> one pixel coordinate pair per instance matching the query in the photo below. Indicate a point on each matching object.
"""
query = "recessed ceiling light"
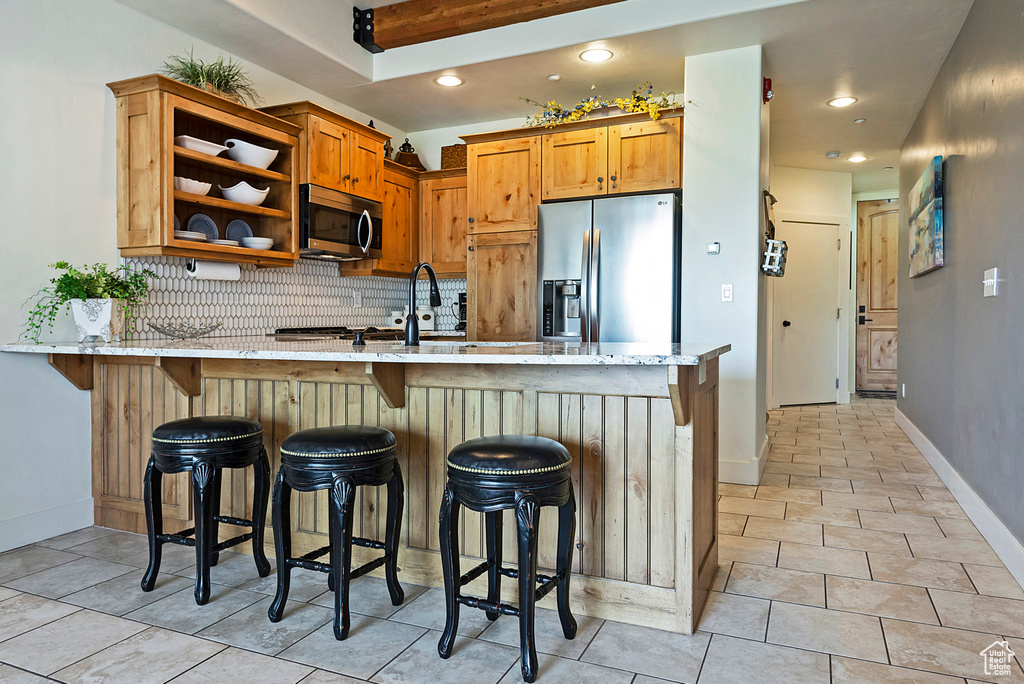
(596, 55)
(887, 168)
(832, 155)
(857, 158)
(448, 81)
(842, 102)
(859, 121)
(554, 77)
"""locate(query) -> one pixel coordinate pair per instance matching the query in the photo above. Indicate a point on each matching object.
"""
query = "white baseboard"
(745, 472)
(1007, 547)
(34, 527)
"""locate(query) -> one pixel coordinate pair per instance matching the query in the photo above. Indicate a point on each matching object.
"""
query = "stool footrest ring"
(308, 561)
(227, 544)
(476, 572)
(184, 537)
(489, 606)
(238, 522)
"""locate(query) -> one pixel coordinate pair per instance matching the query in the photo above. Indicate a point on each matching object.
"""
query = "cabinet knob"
(470, 249)
(470, 219)
(347, 176)
(355, 180)
(600, 179)
(613, 179)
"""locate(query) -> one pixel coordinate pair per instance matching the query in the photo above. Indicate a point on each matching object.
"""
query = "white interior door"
(805, 324)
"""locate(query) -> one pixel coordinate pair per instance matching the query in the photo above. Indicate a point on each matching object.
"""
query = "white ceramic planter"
(98, 318)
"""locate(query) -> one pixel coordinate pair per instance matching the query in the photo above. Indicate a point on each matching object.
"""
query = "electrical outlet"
(991, 282)
(726, 292)
(357, 299)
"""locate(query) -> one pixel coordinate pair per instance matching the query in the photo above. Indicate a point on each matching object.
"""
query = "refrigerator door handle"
(585, 289)
(595, 295)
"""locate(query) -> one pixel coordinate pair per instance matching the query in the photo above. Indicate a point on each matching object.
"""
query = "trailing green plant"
(224, 77)
(129, 287)
(642, 99)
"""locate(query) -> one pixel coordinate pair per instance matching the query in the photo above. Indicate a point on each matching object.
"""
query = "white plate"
(190, 235)
(201, 223)
(237, 230)
(227, 243)
(204, 146)
(257, 243)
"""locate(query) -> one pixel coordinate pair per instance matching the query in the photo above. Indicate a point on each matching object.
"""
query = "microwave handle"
(369, 232)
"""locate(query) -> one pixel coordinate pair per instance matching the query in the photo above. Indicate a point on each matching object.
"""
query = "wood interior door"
(502, 286)
(877, 260)
(329, 151)
(443, 227)
(504, 185)
(575, 163)
(367, 167)
(645, 156)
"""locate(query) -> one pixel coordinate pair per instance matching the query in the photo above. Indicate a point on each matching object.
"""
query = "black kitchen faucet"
(412, 324)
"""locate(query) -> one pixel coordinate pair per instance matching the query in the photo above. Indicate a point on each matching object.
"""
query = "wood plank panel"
(637, 488)
(477, 424)
(416, 479)
(591, 497)
(615, 488)
(662, 523)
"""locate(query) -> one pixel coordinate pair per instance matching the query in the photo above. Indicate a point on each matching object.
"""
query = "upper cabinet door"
(329, 151)
(575, 163)
(645, 156)
(367, 168)
(400, 225)
(443, 227)
(504, 185)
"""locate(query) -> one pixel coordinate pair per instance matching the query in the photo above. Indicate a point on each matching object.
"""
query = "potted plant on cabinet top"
(103, 301)
(225, 78)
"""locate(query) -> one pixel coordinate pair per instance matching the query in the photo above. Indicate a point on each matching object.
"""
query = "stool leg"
(203, 476)
(527, 518)
(449, 529)
(566, 541)
(154, 522)
(493, 522)
(214, 525)
(343, 493)
(282, 519)
(396, 504)
(330, 542)
(261, 485)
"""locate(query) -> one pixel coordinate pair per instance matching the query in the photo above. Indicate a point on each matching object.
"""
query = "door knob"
(862, 320)
(786, 324)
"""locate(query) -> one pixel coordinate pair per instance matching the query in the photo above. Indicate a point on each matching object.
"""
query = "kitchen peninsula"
(640, 420)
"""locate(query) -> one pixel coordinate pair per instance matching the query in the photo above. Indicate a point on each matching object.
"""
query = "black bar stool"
(491, 474)
(205, 445)
(339, 459)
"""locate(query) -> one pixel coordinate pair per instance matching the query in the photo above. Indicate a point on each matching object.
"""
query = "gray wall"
(961, 356)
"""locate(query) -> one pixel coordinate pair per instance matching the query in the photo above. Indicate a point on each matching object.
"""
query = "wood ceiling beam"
(421, 21)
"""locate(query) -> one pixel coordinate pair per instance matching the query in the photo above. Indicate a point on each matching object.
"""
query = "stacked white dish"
(247, 153)
(197, 145)
(226, 243)
(243, 193)
(189, 185)
(189, 235)
(257, 242)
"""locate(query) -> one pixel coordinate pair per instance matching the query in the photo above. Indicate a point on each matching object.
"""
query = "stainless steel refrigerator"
(608, 269)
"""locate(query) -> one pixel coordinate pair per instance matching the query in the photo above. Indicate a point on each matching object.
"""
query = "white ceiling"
(883, 52)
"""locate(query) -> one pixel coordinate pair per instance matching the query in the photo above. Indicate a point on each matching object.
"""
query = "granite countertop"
(268, 348)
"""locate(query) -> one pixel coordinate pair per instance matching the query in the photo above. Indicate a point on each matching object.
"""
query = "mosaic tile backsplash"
(310, 293)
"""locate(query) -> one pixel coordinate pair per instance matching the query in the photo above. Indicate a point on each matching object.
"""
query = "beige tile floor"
(851, 563)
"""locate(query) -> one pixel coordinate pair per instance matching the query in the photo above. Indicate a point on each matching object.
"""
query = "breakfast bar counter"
(640, 421)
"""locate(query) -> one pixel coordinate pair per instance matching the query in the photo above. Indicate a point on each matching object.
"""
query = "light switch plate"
(726, 292)
(991, 282)
(357, 299)
(714, 248)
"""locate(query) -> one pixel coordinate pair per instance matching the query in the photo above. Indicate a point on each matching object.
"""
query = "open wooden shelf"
(220, 203)
(229, 164)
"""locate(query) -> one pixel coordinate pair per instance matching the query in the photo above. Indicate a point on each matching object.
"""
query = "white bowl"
(247, 153)
(257, 242)
(193, 186)
(243, 193)
(204, 146)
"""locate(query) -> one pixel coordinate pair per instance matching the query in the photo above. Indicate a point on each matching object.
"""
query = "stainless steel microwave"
(338, 227)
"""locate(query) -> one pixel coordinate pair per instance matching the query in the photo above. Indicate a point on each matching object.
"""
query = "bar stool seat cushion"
(208, 433)
(509, 455)
(339, 443)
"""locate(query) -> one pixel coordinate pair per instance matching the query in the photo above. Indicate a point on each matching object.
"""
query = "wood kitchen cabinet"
(151, 112)
(636, 156)
(443, 225)
(336, 152)
(400, 224)
(503, 178)
(501, 275)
